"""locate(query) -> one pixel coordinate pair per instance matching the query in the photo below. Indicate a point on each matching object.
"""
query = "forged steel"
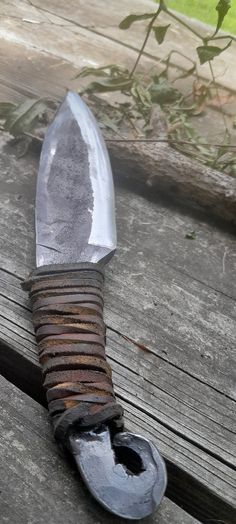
(127, 476)
(75, 211)
(75, 237)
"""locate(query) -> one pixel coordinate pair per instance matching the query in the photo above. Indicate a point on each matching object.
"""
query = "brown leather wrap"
(67, 304)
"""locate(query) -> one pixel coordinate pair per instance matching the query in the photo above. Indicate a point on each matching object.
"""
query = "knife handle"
(67, 306)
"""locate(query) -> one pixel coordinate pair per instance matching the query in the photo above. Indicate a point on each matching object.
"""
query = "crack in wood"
(149, 350)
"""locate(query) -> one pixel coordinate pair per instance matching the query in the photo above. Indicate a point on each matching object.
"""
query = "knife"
(75, 238)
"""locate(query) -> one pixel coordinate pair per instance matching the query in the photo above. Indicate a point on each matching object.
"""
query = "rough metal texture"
(70, 332)
(126, 474)
(75, 220)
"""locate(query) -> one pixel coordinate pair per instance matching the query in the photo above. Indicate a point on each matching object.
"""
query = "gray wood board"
(180, 300)
(157, 165)
(96, 23)
(37, 483)
(171, 374)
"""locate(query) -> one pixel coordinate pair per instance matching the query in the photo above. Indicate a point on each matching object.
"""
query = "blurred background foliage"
(182, 95)
(204, 10)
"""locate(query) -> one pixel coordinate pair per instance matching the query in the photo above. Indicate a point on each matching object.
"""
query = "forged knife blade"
(75, 211)
(75, 237)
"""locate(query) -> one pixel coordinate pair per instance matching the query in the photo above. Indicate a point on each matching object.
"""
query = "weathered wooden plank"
(39, 74)
(77, 45)
(212, 426)
(170, 391)
(37, 483)
(184, 318)
(194, 434)
(188, 320)
(99, 19)
(158, 165)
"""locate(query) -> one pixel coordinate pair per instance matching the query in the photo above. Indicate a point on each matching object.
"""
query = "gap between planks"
(37, 483)
(197, 472)
(180, 318)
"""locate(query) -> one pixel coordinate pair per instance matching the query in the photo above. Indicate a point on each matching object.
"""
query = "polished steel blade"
(75, 212)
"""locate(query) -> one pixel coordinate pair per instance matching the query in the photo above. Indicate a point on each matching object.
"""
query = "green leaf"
(160, 32)
(206, 53)
(109, 70)
(109, 123)
(129, 20)
(22, 119)
(163, 93)
(110, 84)
(141, 95)
(187, 73)
(5, 109)
(222, 7)
(192, 235)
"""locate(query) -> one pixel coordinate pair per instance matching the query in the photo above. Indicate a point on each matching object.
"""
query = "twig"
(218, 96)
(223, 37)
(169, 141)
(150, 26)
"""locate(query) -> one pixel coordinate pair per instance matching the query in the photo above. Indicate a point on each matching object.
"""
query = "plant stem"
(173, 15)
(218, 96)
(145, 39)
(222, 37)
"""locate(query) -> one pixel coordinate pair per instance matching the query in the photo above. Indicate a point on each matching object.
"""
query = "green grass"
(205, 10)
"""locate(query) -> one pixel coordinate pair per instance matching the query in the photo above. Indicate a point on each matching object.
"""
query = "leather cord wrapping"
(67, 306)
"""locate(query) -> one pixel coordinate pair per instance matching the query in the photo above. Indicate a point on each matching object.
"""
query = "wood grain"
(159, 167)
(99, 19)
(38, 484)
(170, 301)
(185, 282)
(196, 437)
(164, 170)
(77, 45)
(170, 337)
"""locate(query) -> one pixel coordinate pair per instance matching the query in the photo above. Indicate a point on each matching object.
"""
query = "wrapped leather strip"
(67, 317)
(72, 388)
(76, 362)
(70, 339)
(67, 309)
(45, 331)
(60, 269)
(84, 418)
(53, 283)
(54, 304)
(60, 405)
(71, 349)
(43, 318)
(56, 377)
(76, 296)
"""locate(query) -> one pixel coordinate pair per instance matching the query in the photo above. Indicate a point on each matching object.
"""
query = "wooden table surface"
(170, 312)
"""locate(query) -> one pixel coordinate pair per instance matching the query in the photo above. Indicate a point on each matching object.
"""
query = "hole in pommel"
(129, 459)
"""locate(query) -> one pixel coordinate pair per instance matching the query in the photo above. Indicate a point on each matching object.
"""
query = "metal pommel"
(125, 474)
